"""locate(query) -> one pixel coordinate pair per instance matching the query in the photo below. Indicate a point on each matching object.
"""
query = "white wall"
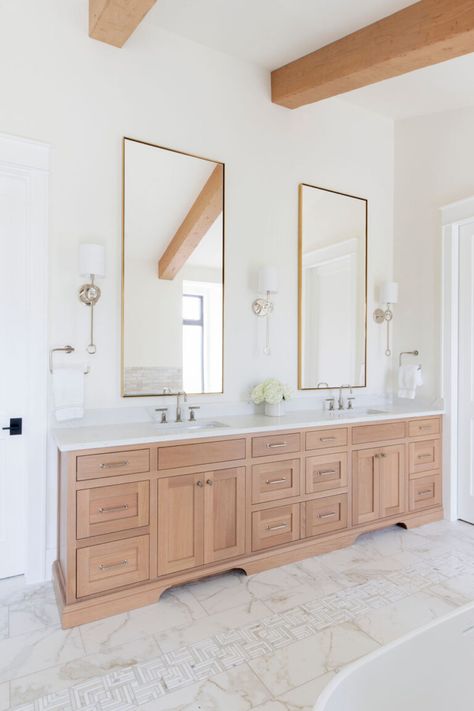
(434, 166)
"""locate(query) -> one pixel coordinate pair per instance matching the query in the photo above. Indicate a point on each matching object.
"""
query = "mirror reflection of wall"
(332, 278)
(173, 257)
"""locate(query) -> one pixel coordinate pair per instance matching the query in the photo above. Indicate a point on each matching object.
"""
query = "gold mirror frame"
(122, 338)
(301, 186)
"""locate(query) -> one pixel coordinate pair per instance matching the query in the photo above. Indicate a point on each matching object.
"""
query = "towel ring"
(413, 353)
(64, 349)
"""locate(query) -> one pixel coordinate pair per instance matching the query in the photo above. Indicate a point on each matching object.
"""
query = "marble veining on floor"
(268, 642)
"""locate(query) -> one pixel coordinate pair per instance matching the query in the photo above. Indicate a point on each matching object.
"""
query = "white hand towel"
(68, 391)
(409, 377)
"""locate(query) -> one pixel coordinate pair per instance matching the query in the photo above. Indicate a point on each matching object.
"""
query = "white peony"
(271, 391)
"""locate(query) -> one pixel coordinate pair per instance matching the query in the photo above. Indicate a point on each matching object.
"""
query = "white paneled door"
(23, 210)
(466, 373)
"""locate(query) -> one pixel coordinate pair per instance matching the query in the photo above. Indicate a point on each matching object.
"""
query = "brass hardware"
(275, 481)
(114, 465)
(327, 439)
(120, 564)
(424, 492)
(277, 528)
(113, 509)
(413, 353)
(276, 445)
(209, 482)
(199, 483)
(326, 472)
(327, 515)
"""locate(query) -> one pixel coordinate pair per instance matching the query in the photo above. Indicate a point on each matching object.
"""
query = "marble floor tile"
(393, 621)
(220, 623)
(378, 567)
(63, 676)
(306, 695)
(4, 696)
(222, 592)
(305, 660)
(30, 653)
(10, 585)
(276, 580)
(457, 591)
(176, 608)
(32, 608)
(238, 689)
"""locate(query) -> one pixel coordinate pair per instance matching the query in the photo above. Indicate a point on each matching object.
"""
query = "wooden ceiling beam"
(426, 33)
(203, 213)
(113, 21)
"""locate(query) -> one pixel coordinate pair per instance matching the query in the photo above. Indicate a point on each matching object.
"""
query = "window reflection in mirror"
(173, 256)
(332, 288)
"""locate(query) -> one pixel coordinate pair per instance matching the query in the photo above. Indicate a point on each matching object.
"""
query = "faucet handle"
(164, 414)
(192, 415)
(332, 402)
(349, 403)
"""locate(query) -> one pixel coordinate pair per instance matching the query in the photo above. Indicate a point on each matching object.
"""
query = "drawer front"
(424, 456)
(106, 509)
(96, 466)
(325, 515)
(430, 426)
(275, 527)
(325, 472)
(275, 480)
(275, 444)
(425, 492)
(112, 565)
(382, 432)
(323, 439)
(188, 455)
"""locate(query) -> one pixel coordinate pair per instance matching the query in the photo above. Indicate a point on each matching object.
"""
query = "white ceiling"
(271, 33)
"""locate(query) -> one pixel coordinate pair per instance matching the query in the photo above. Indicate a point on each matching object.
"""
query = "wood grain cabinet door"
(180, 522)
(365, 486)
(224, 514)
(392, 480)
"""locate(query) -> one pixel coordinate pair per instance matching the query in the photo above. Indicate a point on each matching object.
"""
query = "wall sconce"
(263, 306)
(388, 295)
(92, 265)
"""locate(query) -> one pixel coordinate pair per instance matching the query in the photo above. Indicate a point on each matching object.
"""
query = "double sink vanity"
(146, 506)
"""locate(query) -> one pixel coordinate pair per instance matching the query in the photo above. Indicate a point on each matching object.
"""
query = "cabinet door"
(392, 480)
(180, 522)
(224, 520)
(365, 486)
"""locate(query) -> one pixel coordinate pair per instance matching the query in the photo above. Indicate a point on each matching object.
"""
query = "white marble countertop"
(116, 435)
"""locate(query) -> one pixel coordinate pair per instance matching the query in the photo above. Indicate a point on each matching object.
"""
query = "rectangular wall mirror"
(173, 272)
(332, 289)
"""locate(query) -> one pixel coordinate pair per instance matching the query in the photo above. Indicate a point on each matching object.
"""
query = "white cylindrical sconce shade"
(91, 260)
(389, 292)
(267, 280)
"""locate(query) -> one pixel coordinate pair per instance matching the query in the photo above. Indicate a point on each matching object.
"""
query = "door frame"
(453, 216)
(31, 159)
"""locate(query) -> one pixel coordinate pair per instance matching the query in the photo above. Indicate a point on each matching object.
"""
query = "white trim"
(32, 159)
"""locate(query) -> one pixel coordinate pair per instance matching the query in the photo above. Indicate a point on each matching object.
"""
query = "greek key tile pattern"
(127, 689)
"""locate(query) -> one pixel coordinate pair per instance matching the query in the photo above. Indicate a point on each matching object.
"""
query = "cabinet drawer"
(275, 480)
(424, 456)
(326, 471)
(189, 455)
(382, 432)
(325, 515)
(107, 509)
(322, 439)
(275, 527)
(425, 492)
(96, 466)
(431, 426)
(275, 444)
(112, 565)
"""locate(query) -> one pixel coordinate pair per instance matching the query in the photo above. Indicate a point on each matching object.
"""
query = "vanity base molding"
(135, 521)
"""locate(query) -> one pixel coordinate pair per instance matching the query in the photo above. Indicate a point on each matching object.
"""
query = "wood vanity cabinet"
(136, 520)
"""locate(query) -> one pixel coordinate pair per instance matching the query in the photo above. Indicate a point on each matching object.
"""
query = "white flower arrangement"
(271, 391)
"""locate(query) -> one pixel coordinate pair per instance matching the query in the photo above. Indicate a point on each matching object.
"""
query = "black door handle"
(16, 426)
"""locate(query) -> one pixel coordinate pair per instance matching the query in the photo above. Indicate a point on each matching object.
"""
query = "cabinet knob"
(209, 482)
(199, 483)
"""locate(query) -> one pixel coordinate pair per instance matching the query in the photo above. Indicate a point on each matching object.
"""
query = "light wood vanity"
(135, 520)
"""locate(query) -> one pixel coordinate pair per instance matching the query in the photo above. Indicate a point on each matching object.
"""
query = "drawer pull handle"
(425, 427)
(114, 465)
(113, 509)
(276, 445)
(326, 472)
(327, 515)
(275, 481)
(425, 456)
(277, 528)
(327, 439)
(425, 492)
(120, 564)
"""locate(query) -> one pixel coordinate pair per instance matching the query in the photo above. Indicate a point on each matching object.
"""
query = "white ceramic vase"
(275, 410)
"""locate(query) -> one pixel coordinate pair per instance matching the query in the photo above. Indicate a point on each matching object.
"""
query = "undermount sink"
(356, 412)
(173, 427)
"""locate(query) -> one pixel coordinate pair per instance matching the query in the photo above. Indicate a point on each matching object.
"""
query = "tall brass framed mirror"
(332, 304)
(172, 271)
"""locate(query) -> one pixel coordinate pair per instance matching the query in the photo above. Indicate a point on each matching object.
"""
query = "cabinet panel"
(224, 517)
(96, 466)
(424, 456)
(180, 523)
(365, 486)
(325, 472)
(324, 439)
(325, 515)
(191, 455)
(112, 565)
(425, 492)
(429, 426)
(275, 480)
(383, 431)
(275, 527)
(106, 509)
(392, 480)
(275, 444)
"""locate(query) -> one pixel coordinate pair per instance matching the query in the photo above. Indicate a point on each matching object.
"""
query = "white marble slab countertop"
(117, 435)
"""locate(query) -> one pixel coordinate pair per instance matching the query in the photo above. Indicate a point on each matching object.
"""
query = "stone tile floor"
(268, 642)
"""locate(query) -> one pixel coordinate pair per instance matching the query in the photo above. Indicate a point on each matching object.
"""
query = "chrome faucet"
(180, 394)
(340, 401)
